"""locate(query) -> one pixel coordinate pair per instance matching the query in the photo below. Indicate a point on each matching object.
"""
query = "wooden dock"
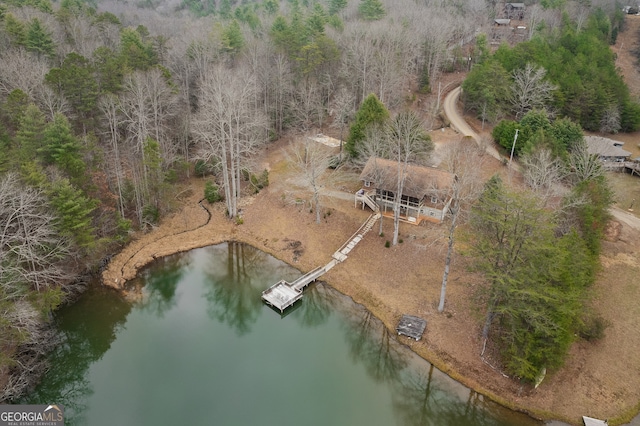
(411, 326)
(283, 294)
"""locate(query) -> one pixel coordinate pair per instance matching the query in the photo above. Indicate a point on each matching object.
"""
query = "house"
(514, 10)
(425, 195)
(606, 149)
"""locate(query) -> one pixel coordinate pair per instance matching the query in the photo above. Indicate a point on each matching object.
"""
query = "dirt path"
(450, 107)
(626, 217)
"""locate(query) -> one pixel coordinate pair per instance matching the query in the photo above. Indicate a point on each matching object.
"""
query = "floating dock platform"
(282, 294)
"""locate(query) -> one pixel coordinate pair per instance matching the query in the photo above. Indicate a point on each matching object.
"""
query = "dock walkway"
(283, 294)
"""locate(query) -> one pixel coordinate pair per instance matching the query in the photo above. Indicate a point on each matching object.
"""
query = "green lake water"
(200, 348)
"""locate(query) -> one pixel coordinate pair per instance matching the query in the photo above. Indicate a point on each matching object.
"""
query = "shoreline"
(348, 279)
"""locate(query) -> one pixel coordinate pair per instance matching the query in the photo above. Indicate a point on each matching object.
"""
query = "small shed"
(325, 140)
(590, 421)
(411, 326)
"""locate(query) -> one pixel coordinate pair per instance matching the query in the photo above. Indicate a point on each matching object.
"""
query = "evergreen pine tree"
(271, 6)
(75, 80)
(232, 38)
(29, 135)
(14, 108)
(371, 112)
(38, 39)
(61, 147)
(225, 9)
(74, 212)
(336, 6)
(371, 10)
(16, 29)
(316, 21)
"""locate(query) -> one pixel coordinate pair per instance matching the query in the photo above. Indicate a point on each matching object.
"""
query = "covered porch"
(412, 209)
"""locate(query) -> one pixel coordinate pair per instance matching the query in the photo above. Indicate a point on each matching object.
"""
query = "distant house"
(514, 10)
(606, 149)
(425, 196)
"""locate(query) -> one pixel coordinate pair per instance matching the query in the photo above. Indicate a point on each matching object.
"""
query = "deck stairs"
(366, 199)
(341, 254)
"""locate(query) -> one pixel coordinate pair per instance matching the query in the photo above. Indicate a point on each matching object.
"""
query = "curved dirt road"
(625, 217)
(457, 122)
(460, 125)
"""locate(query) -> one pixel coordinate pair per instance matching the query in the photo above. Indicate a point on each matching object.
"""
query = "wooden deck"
(283, 294)
(411, 326)
(632, 167)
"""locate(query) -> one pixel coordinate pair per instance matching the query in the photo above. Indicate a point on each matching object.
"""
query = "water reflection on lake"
(200, 348)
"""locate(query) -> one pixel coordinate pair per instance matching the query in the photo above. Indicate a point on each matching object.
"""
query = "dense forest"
(106, 107)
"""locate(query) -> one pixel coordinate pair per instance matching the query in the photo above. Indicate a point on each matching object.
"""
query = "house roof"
(604, 147)
(502, 21)
(516, 5)
(420, 180)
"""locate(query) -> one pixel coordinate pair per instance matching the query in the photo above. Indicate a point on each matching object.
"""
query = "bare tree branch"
(529, 89)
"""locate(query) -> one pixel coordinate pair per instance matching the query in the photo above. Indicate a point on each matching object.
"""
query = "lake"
(198, 347)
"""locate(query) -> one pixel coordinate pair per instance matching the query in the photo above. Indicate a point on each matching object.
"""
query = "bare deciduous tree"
(109, 105)
(530, 90)
(30, 248)
(343, 109)
(610, 121)
(408, 143)
(228, 126)
(543, 173)
(312, 160)
(583, 165)
(359, 59)
(22, 70)
(147, 104)
(307, 107)
(465, 160)
(51, 103)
